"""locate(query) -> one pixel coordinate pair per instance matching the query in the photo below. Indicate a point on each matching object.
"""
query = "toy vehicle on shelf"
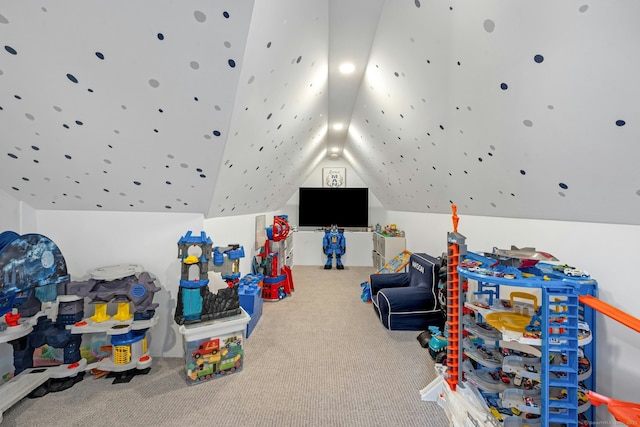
(574, 272)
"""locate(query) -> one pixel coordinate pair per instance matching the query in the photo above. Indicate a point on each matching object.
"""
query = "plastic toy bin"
(251, 302)
(215, 348)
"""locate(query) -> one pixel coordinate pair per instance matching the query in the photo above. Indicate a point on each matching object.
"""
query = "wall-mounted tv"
(321, 207)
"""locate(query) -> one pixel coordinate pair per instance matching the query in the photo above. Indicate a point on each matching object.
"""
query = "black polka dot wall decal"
(137, 183)
(11, 50)
(504, 86)
(620, 122)
(160, 36)
(79, 123)
(417, 2)
(3, 20)
(269, 116)
(225, 14)
(72, 78)
(563, 186)
(522, 172)
(216, 133)
(100, 55)
(231, 63)
(583, 8)
(203, 175)
(299, 59)
(67, 156)
(66, 126)
(154, 83)
(538, 58)
(528, 123)
(35, 147)
(168, 182)
(268, 45)
(13, 156)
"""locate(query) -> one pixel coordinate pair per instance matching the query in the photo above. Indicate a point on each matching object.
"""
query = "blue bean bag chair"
(408, 301)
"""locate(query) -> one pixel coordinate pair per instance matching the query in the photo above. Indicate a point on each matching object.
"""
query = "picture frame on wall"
(334, 177)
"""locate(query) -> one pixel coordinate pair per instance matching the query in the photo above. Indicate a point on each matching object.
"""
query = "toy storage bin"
(215, 348)
(251, 302)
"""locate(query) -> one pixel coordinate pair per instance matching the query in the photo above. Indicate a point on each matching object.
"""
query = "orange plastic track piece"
(625, 412)
(611, 311)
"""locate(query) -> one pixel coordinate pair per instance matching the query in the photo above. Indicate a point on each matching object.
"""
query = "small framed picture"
(334, 177)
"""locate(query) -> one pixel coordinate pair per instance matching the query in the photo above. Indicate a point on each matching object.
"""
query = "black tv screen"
(322, 207)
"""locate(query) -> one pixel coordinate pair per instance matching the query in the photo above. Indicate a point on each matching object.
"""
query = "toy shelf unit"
(385, 248)
(530, 339)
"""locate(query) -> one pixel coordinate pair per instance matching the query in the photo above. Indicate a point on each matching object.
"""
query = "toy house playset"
(44, 319)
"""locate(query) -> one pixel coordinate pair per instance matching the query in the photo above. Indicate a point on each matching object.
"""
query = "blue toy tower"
(196, 303)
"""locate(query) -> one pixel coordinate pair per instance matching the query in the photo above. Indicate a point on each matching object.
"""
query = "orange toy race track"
(625, 412)
(610, 311)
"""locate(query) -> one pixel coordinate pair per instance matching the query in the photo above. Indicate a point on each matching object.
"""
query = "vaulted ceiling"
(513, 109)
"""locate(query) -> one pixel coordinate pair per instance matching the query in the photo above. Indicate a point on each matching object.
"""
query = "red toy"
(278, 280)
(12, 318)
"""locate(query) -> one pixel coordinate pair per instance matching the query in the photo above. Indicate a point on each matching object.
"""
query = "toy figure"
(334, 243)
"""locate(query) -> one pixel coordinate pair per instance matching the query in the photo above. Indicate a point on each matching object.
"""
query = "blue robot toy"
(334, 243)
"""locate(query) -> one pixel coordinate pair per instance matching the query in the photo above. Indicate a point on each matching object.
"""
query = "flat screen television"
(345, 207)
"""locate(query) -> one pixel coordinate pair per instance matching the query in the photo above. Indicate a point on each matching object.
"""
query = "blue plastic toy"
(438, 344)
(334, 244)
(366, 291)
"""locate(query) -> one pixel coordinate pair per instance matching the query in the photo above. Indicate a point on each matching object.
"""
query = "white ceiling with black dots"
(508, 109)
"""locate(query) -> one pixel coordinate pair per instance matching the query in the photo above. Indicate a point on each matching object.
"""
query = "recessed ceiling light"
(347, 68)
(338, 126)
(335, 149)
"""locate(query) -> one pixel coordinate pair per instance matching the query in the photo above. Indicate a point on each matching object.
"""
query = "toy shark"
(519, 257)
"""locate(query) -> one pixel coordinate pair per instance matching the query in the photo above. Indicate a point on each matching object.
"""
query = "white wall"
(307, 248)
(95, 239)
(606, 251)
(9, 213)
(236, 229)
